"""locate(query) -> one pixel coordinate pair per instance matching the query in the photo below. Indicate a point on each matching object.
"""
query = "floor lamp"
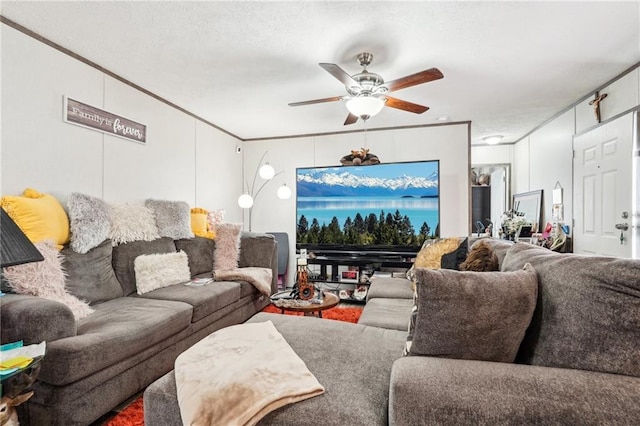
(266, 172)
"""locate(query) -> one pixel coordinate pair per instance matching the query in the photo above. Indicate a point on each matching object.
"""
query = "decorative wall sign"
(84, 115)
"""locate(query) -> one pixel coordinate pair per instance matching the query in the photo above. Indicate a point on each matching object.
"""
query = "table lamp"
(15, 247)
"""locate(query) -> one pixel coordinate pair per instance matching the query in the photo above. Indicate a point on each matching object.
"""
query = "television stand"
(364, 262)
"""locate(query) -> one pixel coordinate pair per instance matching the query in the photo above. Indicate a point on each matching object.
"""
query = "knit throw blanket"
(260, 278)
(239, 374)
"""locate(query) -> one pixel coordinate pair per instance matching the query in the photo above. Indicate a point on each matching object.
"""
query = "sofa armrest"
(34, 319)
(428, 390)
(260, 250)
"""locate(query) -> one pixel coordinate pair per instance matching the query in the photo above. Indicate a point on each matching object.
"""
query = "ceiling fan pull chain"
(365, 135)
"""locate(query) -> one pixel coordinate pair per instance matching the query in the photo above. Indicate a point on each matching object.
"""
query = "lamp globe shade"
(267, 172)
(365, 106)
(245, 201)
(284, 192)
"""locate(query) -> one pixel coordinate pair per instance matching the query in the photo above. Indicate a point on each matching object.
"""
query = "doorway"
(490, 195)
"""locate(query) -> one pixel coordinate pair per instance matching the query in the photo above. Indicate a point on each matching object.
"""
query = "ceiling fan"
(367, 91)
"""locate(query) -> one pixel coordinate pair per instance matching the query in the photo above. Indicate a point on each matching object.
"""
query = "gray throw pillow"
(472, 315)
(89, 221)
(588, 312)
(173, 218)
(90, 276)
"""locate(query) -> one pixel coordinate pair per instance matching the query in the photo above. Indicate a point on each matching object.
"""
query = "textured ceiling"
(508, 66)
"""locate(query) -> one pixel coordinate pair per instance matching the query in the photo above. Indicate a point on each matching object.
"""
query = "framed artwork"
(529, 203)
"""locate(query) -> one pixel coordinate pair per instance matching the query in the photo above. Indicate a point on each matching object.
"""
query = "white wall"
(449, 144)
(491, 154)
(551, 161)
(183, 159)
(546, 156)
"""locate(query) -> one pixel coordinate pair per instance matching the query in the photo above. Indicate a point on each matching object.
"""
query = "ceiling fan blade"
(317, 101)
(405, 105)
(351, 118)
(414, 79)
(339, 73)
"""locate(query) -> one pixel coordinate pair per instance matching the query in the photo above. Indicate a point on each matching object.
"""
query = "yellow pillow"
(40, 216)
(199, 223)
(430, 257)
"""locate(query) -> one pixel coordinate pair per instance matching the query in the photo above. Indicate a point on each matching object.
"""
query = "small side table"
(329, 301)
(20, 380)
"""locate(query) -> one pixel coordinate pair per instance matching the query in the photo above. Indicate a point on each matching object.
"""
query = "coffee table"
(329, 300)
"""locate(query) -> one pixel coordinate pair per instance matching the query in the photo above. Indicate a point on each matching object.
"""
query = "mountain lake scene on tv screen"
(387, 205)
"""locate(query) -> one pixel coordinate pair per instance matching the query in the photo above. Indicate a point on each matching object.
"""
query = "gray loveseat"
(579, 362)
(93, 365)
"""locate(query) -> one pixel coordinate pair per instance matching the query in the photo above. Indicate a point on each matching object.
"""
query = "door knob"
(622, 226)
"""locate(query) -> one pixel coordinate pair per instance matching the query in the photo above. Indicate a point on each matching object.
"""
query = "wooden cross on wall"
(596, 104)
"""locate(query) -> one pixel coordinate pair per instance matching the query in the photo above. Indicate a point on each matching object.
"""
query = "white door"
(603, 184)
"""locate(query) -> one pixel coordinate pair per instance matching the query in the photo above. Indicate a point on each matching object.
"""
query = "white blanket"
(260, 278)
(239, 374)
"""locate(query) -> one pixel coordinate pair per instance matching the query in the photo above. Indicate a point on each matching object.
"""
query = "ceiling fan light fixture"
(362, 106)
(492, 140)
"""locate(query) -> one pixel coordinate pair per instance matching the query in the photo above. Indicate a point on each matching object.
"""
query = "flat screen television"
(391, 206)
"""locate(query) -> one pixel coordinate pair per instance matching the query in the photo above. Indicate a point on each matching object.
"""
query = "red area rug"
(339, 314)
(133, 414)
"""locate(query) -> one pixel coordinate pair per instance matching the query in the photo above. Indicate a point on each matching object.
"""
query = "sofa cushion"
(438, 391)
(247, 289)
(117, 329)
(90, 276)
(205, 299)
(588, 311)
(387, 313)
(200, 253)
(390, 288)
(352, 362)
(154, 271)
(473, 315)
(124, 256)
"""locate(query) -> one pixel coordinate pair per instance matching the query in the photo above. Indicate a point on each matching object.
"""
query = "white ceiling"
(508, 66)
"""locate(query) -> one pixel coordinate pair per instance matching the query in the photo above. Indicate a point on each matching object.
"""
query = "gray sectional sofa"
(579, 361)
(130, 340)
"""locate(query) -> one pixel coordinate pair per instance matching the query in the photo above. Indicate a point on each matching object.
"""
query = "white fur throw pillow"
(227, 252)
(154, 271)
(45, 279)
(89, 220)
(131, 222)
(173, 218)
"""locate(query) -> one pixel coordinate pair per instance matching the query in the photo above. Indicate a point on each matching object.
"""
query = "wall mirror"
(490, 195)
(529, 203)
